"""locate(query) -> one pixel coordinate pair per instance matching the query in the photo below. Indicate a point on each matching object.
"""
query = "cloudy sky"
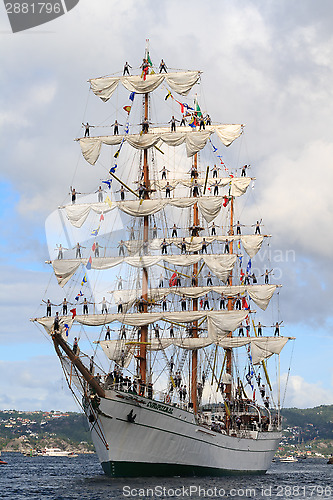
(267, 64)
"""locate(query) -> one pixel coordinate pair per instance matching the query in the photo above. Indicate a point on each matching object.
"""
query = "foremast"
(228, 388)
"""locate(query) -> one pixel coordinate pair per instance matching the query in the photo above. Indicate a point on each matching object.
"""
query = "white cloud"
(35, 384)
(304, 394)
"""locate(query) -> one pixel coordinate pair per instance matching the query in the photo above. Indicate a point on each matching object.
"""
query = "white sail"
(159, 344)
(265, 347)
(118, 351)
(194, 141)
(260, 294)
(240, 186)
(221, 265)
(209, 206)
(251, 243)
(191, 344)
(181, 83)
(221, 324)
(226, 321)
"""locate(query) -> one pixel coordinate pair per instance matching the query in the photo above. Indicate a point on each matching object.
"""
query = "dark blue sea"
(53, 478)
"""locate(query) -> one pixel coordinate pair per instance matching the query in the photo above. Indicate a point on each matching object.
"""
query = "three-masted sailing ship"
(184, 387)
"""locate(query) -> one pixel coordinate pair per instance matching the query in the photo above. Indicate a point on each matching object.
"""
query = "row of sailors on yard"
(142, 189)
(194, 231)
(200, 122)
(238, 303)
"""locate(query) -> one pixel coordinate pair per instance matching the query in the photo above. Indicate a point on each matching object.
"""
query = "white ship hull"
(165, 441)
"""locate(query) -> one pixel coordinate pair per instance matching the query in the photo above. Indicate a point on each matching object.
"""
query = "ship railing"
(142, 390)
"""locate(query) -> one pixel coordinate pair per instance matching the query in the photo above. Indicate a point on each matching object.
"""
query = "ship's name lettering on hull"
(157, 406)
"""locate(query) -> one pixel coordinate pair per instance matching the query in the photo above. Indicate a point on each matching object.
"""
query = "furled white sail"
(209, 206)
(118, 351)
(65, 324)
(194, 142)
(160, 184)
(158, 344)
(226, 321)
(221, 265)
(181, 83)
(221, 323)
(260, 294)
(240, 186)
(191, 344)
(77, 214)
(265, 347)
(251, 243)
(227, 133)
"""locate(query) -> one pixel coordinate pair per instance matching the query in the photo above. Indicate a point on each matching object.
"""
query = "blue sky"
(265, 64)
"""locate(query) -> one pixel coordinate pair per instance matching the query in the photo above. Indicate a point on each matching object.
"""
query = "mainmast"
(144, 328)
(194, 364)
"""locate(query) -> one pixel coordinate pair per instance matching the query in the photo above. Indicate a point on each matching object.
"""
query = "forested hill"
(314, 422)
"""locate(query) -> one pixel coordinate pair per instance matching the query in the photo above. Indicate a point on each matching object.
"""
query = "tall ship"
(159, 333)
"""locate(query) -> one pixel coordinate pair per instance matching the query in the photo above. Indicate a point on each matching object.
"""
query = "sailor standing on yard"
(104, 306)
(222, 301)
(164, 172)
(202, 123)
(64, 306)
(243, 174)
(174, 231)
(266, 274)
(77, 248)
(216, 187)
(126, 68)
(87, 127)
(163, 67)
(213, 228)
(73, 194)
(85, 306)
(195, 189)
(173, 123)
(238, 227)
(168, 189)
(215, 170)
(97, 247)
(121, 248)
(257, 227)
(116, 126)
(277, 329)
(107, 334)
(145, 125)
(60, 251)
(99, 194)
(48, 306)
(209, 279)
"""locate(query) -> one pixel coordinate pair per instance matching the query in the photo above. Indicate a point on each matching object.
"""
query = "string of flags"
(84, 280)
(112, 170)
